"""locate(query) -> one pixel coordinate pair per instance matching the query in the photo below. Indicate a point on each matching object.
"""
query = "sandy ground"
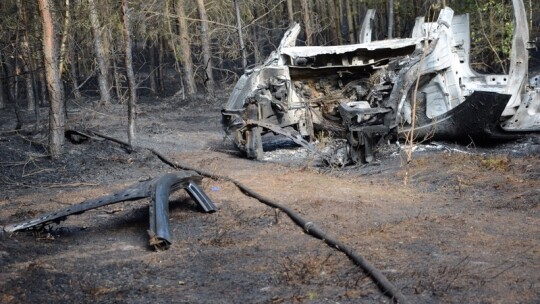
(464, 229)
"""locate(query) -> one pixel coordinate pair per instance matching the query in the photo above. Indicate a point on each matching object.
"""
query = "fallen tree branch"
(309, 227)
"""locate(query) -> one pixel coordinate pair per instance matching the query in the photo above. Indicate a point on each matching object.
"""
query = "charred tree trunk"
(207, 55)
(130, 75)
(350, 22)
(333, 22)
(161, 55)
(307, 22)
(2, 75)
(27, 60)
(117, 83)
(73, 70)
(390, 19)
(100, 54)
(44, 95)
(54, 84)
(153, 67)
(240, 36)
(340, 20)
(185, 41)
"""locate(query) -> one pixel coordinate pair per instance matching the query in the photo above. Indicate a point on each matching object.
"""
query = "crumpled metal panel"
(159, 189)
(382, 76)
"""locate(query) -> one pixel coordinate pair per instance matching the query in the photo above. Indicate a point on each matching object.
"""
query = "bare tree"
(100, 54)
(240, 36)
(390, 19)
(334, 35)
(185, 40)
(54, 84)
(65, 34)
(350, 22)
(307, 22)
(207, 56)
(2, 97)
(130, 75)
(290, 11)
(27, 59)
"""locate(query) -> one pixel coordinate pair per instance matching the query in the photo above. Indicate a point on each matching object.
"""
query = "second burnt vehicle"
(365, 92)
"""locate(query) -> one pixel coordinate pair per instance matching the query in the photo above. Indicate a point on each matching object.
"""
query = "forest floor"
(464, 229)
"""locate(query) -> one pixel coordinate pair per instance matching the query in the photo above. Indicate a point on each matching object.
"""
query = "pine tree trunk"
(207, 56)
(73, 69)
(161, 55)
(334, 35)
(290, 11)
(240, 36)
(117, 83)
(65, 34)
(153, 71)
(130, 75)
(185, 42)
(54, 84)
(43, 87)
(100, 54)
(26, 55)
(307, 22)
(255, 33)
(350, 22)
(2, 95)
(390, 19)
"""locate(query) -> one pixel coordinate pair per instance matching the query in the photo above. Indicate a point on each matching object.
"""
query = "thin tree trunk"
(100, 54)
(65, 34)
(54, 84)
(340, 20)
(73, 69)
(240, 36)
(26, 56)
(43, 87)
(350, 22)
(161, 55)
(333, 22)
(185, 41)
(207, 56)
(2, 74)
(390, 19)
(290, 11)
(307, 22)
(153, 71)
(130, 75)
(117, 82)
(255, 32)
(14, 83)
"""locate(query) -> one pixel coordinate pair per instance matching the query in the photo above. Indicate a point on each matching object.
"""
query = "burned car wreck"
(375, 91)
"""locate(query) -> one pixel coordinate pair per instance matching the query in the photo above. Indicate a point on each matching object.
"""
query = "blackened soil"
(459, 224)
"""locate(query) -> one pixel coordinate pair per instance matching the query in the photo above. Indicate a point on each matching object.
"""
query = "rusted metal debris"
(157, 189)
(364, 92)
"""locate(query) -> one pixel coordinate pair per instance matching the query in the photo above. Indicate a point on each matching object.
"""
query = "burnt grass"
(463, 229)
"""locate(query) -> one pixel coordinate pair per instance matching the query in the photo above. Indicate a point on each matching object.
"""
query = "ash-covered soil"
(465, 227)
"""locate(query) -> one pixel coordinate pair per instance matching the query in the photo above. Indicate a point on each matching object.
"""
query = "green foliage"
(491, 33)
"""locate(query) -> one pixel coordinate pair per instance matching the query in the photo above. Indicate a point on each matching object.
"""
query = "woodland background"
(57, 51)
